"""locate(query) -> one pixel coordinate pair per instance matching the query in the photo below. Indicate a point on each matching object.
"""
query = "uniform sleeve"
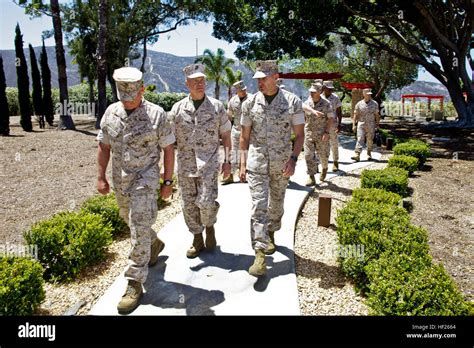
(171, 117)
(230, 109)
(103, 136)
(296, 111)
(165, 131)
(225, 125)
(245, 119)
(338, 103)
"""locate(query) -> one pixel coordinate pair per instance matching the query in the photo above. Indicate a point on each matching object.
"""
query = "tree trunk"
(464, 109)
(112, 84)
(102, 61)
(142, 68)
(229, 92)
(217, 90)
(65, 120)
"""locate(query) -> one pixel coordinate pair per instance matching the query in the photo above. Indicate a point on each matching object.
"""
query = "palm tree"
(230, 78)
(215, 64)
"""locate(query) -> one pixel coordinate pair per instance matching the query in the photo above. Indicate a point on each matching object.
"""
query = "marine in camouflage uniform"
(135, 137)
(199, 122)
(367, 118)
(234, 111)
(336, 104)
(318, 115)
(268, 118)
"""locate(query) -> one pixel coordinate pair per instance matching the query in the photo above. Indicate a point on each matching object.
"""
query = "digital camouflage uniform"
(197, 135)
(136, 141)
(333, 137)
(270, 149)
(315, 127)
(235, 112)
(365, 115)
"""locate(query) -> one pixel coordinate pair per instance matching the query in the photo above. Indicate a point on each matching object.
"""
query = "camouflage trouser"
(268, 195)
(334, 143)
(320, 147)
(139, 210)
(198, 201)
(365, 131)
(235, 136)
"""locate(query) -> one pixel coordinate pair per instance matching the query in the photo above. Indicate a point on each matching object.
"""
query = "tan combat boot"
(210, 237)
(311, 181)
(156, 248)
(335, 166)
(259, 267)
(131, 298)
(356, 157)
(369, 156)
(271, 246)
(323, 174)
(228, 180)
(197, 247)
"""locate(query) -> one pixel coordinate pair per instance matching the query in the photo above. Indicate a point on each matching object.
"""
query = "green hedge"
(376, 195)
(402, 284)
(414, 148)
(21, 286)
(68, 242)
(409, 163)
(106, 206)
(390, 179)
(166, 99)
(79, 95)
(374, 226)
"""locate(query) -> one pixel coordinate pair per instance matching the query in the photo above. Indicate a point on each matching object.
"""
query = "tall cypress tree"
(37, 93)
(4, 116)
(23, 83)
(48, 107)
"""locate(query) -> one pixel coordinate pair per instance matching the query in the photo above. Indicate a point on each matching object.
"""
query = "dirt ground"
(42, 173)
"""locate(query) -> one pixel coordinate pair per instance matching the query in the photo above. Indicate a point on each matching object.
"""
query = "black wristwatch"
(294, 158)
(168, 182)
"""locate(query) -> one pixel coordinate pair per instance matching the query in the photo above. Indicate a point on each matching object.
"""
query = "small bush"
(21, 286)
(106, 206)
(376, 195)
(403, 284)
(409, 163)
(414, 148)
(377, 227)
(68, 242)
(166, 99)
(390, 179)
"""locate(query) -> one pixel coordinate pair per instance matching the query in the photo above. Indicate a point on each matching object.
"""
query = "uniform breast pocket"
(115, 129)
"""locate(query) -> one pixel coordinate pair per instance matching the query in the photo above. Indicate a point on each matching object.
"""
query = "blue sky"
(181, 42)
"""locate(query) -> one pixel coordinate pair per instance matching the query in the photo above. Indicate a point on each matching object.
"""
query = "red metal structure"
(428, 96)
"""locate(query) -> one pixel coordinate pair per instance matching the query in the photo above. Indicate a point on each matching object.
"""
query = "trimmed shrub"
(376, 195)
(409, 163)
(390, 179)
(414, 148)
(106, 206)
(68, 242)
(402, 284)
(166, 99)
(377, 227)
(21, 286)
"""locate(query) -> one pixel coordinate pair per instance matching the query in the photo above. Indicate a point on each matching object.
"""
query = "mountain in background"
(165, 71)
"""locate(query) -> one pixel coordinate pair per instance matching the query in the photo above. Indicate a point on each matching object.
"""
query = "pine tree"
(37, 92)
(23, 83)
(48, 107)
(4, 115)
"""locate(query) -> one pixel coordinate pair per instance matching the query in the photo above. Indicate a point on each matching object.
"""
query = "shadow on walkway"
(163, 294)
